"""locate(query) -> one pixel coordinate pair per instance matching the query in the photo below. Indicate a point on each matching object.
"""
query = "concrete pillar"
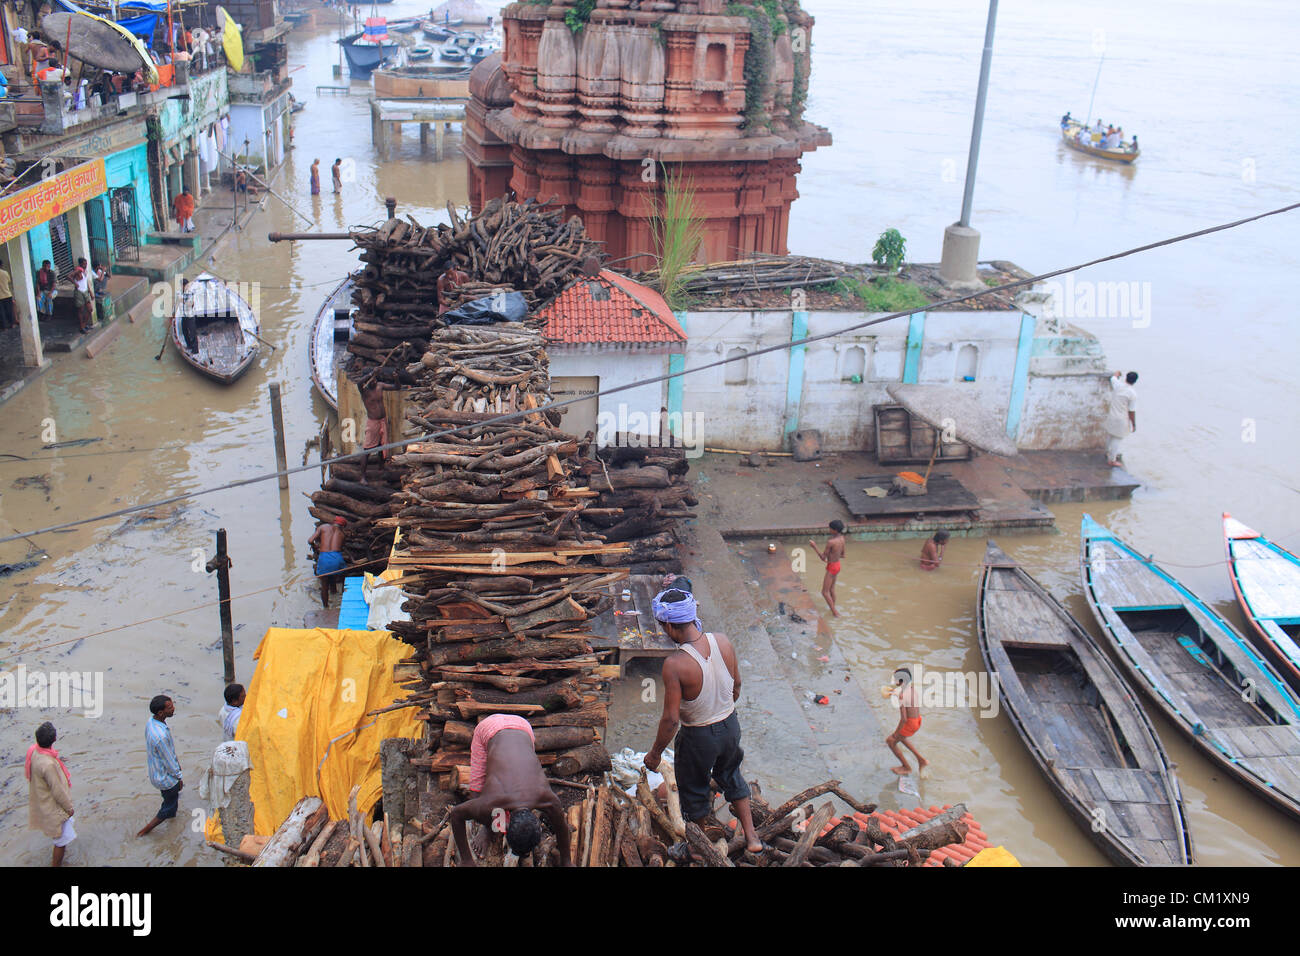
(961, 252)
(424, 136)
(439, 134)
(78, 234)
(19, 264)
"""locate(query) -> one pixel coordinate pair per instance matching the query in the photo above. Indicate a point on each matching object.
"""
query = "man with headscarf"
(49, 789)
(701, 686)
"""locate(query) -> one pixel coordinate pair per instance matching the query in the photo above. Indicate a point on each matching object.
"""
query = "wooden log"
(591, 758)
(349, 851)
(312, 856)
(289, 839)
(702, 849)
(507, 648)
(647, 798)
(674, 797)
(232, 851)
(810, 834)
(589, 715)
(602, 833)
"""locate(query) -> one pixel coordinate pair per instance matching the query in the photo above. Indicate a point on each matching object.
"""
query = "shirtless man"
(832, 555)
(932, 551)
(447, 282)
(328, 541)
(506, 774)
(909, 722)
(372, 396)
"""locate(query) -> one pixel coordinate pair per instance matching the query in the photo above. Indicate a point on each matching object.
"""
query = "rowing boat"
(329, 341)
(1079, 720)
(1123, 154)
(1202, 674)
(1266, 578)
(214, 330)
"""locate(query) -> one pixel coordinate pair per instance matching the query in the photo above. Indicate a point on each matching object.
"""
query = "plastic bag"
(498, 307)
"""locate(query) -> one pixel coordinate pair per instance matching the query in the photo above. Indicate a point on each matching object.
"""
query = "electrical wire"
(780, 347)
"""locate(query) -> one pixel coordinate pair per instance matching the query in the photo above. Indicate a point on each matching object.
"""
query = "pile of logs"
(760, 272)
(365, 542)
(610, 828)
(524, 247)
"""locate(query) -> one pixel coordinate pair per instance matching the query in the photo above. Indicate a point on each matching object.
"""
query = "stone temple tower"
(591, 100)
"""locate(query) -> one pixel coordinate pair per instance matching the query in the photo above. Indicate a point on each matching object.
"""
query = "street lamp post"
(961, 243)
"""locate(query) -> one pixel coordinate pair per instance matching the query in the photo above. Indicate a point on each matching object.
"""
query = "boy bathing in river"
(932, 551)
(909, 722)
(832, 555)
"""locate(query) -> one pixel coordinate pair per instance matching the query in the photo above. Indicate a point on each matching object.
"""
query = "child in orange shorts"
(909, 722)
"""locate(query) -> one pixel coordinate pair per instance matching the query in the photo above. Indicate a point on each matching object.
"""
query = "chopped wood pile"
(365, 542)
(610, 828)
(760, 272)
(509, 246)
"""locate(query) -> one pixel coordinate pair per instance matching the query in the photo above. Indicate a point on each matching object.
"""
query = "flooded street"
(1217, 429)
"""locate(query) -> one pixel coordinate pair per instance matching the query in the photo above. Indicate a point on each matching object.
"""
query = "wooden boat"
(432, 31)
(329, 341)
(222, 341)
(1080, 721)
(1202, 674)
(452, 53)
(407, 26)
(1266, 579)
(421, 52)
(1124, 154)
(364, 55)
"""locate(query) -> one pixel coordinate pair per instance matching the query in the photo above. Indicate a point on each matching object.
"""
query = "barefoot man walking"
(832, 555)
(909, 722)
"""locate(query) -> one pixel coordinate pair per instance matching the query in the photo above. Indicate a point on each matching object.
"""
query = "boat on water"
(420, 52)
(1266, 579)
(452, 53)
(1086, 140)
(1194, 666)
(404, 26)
(214, 330)
(431, 31)
(370, 48)
(1079, 720)
(328, 344)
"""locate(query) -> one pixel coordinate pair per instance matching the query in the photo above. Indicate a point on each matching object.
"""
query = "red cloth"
(833, 567)
(50, 751)
(488, 728)
(183, 207)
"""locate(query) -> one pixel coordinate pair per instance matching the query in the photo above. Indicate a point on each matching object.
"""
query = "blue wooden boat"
(364, 55)
(1079, 720)
(1266, 579)
(1203, 675)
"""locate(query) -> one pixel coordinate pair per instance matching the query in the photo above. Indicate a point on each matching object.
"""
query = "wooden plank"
(945, 495)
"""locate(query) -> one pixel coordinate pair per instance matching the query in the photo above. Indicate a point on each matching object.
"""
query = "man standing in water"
(909, 722)
(832, 555)
(336, 172)
(328, 540)
(701, 687)
(507, 776)
(49, 792)
(932, 551)
(1121, 418)
(315, 177)
(372, 396)
(164, 767)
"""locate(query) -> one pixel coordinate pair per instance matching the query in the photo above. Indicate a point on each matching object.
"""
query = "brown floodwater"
(1217, 430)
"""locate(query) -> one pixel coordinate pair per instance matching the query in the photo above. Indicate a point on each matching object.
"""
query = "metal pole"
(221, 564)
(1087, 117)
(968, 196)
(277, 424)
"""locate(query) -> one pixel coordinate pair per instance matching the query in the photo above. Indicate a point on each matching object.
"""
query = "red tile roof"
(610, 308)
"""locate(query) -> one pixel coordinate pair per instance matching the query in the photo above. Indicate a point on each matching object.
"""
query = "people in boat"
(327, 539)
(832, 555)
(510, 785)
(1065, 120)
(909, 721)
(932, 551)
(1134, 144)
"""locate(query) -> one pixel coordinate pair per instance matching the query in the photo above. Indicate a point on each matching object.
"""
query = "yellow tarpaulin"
(993, 856)
(310, 687)
(231, 40)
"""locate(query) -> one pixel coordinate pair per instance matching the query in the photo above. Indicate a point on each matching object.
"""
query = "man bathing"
(328, 541)
(701, 686)
(932, 551)
(909, 722)
(507, 776)
(832, 555)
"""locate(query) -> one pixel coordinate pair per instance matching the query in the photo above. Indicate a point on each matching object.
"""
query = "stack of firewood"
(509, 246)
(610, 828)
(362, 506)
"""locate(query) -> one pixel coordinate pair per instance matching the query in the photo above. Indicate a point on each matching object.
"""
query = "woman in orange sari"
(183, 209)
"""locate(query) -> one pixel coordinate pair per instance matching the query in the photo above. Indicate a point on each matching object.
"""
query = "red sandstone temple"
(587, 118)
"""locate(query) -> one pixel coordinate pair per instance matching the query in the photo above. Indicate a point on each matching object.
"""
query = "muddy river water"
(1211, 93)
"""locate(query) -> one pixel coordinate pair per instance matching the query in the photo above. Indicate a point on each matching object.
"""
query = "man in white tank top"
(701, 686)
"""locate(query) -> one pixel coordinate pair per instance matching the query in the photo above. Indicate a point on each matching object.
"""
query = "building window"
(737, 370)
(967, 363)
(853, 365)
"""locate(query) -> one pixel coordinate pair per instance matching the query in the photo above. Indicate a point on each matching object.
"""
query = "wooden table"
(632, 635)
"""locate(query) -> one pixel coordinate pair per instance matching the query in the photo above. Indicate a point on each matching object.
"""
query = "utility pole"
(961, 243)
(221, 564)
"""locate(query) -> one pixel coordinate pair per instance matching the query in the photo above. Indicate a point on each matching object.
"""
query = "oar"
(260, 339)
(166, 336)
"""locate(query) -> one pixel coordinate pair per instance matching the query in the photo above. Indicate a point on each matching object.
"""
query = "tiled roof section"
(610, 308)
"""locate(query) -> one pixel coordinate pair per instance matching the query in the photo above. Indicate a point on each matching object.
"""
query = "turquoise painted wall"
(130, 167)
(41, 247)
(676, 386)
(1020, 377)
(915, 340)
